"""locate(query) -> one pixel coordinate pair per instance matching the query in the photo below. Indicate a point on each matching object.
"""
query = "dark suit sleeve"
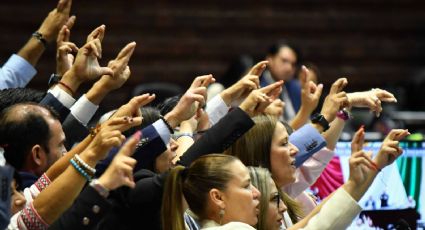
(6, 175)
(74, 131)
(50, 100)
(148, 148)
(86, 212)
(219, 137)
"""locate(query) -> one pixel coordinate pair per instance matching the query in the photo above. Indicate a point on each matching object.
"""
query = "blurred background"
(374, 43)
(378, 43)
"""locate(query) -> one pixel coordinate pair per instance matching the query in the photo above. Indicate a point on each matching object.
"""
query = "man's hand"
(55, 20)
(120, 68)
(65, 49)
(194, 99)
(258, 100)
(245, 85)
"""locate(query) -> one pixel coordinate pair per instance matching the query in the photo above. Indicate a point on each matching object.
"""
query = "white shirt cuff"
(62, 96)
(162, 130)
(83, 110)
(216, 109)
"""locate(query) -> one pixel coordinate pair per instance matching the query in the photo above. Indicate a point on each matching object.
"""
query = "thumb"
(319, 90)
(106, 71)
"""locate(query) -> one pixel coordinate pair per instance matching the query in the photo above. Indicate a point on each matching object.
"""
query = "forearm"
(184, 141)
(32, 51)
(357, 191)
(301, 118)
(60, 166)
(97, 93)
(333, 133)
(64, 189)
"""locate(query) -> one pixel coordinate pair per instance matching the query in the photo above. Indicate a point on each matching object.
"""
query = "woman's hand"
(120, 171)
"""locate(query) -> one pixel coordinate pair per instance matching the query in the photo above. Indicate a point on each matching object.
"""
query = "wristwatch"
(321, 120)
(54, 79)
(99, 188)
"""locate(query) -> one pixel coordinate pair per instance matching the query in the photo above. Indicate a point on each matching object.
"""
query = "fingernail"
(138, 134)
(361, 127)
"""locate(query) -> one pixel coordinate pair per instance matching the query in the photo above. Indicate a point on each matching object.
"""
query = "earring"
(221, 214)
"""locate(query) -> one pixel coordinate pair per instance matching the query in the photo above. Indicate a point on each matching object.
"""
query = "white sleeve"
(216, 109)
(308, 172)
(16, 72)
(337, 213)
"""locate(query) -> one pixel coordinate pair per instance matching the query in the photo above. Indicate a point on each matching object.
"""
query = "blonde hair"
(194, 183)
(260, 178)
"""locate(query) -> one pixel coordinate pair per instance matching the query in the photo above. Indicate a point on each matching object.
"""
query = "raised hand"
(132, 108)
(371, 99)
(245, 85)
(310, 92)
(336, 100)
(275, 108)
(120, 171)
(55, 20)
(120, 68)
(65, 48)
(109, 135)
(390, 149)
(258, 100)
(193, 99)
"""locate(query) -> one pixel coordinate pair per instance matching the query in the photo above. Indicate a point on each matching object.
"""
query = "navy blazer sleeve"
(53, 102)
(149, 147)
(86, 212)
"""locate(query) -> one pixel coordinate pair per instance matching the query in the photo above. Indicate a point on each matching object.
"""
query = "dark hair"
(150, 115)
(13, 96)
(275, 48)
(195, 182)
(168, 104)
(19, 133)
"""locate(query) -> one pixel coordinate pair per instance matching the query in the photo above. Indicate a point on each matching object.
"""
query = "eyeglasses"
(276, 199)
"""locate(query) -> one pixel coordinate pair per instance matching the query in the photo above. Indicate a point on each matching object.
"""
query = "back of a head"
(207, 172)
(21, 127)
(13, 96)
(253, 148)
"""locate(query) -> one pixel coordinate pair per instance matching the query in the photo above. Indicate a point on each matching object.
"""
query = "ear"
(217, 198)
(38, 155)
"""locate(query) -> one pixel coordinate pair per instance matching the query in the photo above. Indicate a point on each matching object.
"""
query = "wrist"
(226, 95)
(96, 93)
(305, 111)
(70, 79)
(172, 119)
(40, 37)
(101, 186)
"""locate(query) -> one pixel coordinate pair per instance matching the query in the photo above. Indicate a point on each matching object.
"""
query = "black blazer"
(73, 129)
(142, 206)
(86, 212)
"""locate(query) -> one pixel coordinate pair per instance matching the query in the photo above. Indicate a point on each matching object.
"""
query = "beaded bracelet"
(84, 164)
(80, 170)
(167, 124)
(177, 136)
